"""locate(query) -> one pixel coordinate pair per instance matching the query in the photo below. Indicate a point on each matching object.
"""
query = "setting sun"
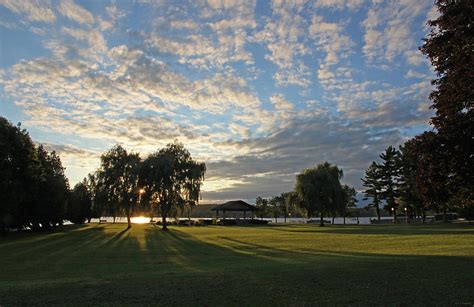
(140, 220)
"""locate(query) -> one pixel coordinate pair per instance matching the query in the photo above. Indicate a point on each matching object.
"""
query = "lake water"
(298, 220)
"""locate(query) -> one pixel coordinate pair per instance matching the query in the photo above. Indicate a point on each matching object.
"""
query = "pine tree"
(372, 182)
(389, 179)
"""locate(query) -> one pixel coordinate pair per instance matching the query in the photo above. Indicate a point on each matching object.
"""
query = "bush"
(206, 221)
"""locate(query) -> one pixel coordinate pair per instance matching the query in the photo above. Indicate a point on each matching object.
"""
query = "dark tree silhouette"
(171, 179)
(119, 173)
(79, 207)
(450, 47)
(33, 188)
(373, 185)
(318, 189)
(389, 177)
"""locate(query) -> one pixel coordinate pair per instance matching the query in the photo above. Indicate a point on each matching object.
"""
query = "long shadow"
(403, 230)
(28, 237)
(146, 266)
(52, 242)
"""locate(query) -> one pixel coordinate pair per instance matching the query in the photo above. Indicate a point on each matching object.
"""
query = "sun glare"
(140, 220)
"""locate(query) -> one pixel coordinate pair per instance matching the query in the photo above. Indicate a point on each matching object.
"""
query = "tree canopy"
(319, 189)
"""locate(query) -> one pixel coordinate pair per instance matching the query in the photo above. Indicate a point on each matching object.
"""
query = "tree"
(349, 200)
(409, 171)
(98, 195)
(318, 189)
(290, 201)
(389, 176)
(33, 187)
(431, 175)
(450, 47)
(118, 174)
(275, 204)
(372, 182)
(262, 207)
(171, 179)
(79, 207)
(18, 175)
(50, 206)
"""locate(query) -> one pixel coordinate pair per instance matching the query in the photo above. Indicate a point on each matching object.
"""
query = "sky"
(258, 90)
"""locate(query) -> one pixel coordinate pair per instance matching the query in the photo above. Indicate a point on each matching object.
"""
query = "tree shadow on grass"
(403, 230)
(145, 265)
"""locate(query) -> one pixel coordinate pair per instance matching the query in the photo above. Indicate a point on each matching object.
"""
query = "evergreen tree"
(373, 185)
(389, 179)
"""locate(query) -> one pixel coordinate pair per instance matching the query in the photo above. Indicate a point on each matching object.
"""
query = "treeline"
(35, 193)
(33, 187)
(413, 180)
(167, 182)
(434, 170)
(318, 192)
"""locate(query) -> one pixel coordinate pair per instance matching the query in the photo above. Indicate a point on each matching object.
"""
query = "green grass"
(283, 265)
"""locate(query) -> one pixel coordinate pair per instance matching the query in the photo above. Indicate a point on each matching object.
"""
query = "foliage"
(349, 199)
(262, 207)
(373, 187)
(319, 188)
(171, 179)
(412, 155)
(389, 179)
(118, 175)
(79, 207)
(450, 47)
(33, 187)
(275, 204)
(50, 206)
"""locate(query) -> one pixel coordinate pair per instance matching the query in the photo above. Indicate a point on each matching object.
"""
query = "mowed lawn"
(259, 265)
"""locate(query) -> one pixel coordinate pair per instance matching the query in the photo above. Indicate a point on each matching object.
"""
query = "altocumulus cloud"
(258, 90)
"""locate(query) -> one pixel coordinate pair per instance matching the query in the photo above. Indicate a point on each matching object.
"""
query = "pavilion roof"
(234, 205)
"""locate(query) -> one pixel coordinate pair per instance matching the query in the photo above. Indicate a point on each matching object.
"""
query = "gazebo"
(234, 205)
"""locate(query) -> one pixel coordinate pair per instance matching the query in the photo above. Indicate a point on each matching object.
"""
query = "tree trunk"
(321, 219)
(332, 220)
(344, 220)
(129, 221)
(377, 209)
(165, 227)
(114, 219)
(394, 216)
(89, 220)
(285, 217)
(445, 215)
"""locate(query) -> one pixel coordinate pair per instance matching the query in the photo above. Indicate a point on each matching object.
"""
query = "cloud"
(75, 12)
(256, 95)
(389, 31)
(339, 4)
(39, 11)
(283, 37)
(280, 103)
(329, 37)
(302, 144)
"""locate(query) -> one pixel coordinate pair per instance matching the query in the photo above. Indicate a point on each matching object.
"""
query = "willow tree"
(171, 179)
(118, 175)
(319, 188)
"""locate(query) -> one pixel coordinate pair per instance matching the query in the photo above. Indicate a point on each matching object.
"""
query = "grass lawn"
(260, 265)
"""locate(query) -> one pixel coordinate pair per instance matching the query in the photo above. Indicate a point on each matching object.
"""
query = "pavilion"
(234, 205)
